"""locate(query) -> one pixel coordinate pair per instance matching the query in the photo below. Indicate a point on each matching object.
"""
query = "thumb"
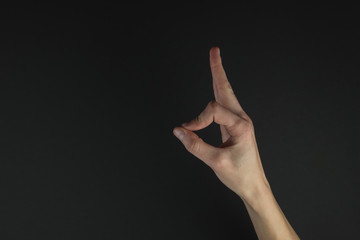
(196, 146)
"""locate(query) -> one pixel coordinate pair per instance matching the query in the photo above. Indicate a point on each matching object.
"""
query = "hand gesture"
(236, 162)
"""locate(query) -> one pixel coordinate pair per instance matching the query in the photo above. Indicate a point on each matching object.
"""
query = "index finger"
(223, 91)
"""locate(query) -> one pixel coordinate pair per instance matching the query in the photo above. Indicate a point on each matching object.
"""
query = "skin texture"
(236, 162)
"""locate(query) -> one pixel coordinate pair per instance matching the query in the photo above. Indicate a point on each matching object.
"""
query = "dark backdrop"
(89, 98)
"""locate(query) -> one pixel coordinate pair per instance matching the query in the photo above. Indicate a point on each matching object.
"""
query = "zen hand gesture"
(236, 162)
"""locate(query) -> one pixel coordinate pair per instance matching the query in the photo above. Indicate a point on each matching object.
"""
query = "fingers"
(222, 89)
(215, 112)
(196, 146)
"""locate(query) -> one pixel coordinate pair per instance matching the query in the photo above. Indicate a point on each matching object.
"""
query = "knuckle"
(247, 118)
(219, 164)
(247, 126)
(198, 118)
(239, 121)
(222, 155)
(221, 159)
(243, 126)
(194, 146)
(213, 104)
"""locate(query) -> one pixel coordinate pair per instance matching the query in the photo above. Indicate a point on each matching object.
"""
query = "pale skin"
(236, 162)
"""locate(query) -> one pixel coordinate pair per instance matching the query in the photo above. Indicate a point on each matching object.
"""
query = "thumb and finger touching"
(224, 110)
(214, 112)
(196, 146)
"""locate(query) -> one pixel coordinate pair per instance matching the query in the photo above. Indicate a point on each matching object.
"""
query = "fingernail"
(179, 133)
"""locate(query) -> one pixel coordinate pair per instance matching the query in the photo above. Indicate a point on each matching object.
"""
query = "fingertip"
(215, 58)
(188, 126)
(179, 133)
(215, 50)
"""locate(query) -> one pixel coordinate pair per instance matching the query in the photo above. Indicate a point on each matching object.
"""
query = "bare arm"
(236, 162)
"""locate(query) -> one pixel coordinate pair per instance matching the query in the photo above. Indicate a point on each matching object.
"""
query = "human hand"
(236, 162)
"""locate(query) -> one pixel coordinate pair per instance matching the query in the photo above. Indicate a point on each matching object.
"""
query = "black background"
(89, 98)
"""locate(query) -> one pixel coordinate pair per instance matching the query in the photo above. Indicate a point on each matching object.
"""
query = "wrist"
(258, 193)
(265, 213)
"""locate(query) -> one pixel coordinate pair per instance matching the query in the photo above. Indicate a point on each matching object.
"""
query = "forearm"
(266, 215)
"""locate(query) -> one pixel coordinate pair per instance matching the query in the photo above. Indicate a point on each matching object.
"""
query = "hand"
(236, 162)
